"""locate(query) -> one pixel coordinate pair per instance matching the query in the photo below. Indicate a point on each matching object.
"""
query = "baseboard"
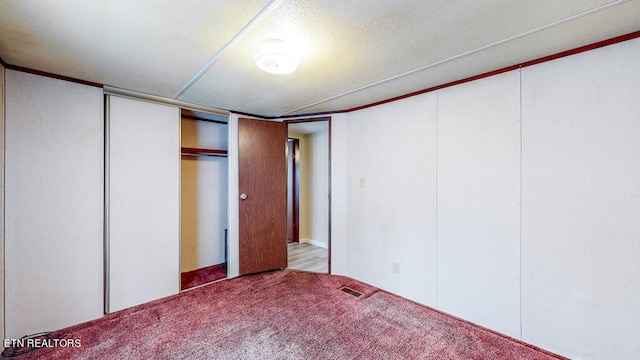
(195, 278)
(314, 242)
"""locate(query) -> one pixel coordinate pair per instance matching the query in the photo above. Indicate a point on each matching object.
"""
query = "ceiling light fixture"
(276, 57)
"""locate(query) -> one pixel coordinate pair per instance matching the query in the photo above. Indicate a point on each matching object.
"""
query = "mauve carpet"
(284, 315)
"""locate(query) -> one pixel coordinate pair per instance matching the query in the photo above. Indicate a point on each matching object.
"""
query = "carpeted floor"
(202, 276)
(284, 315)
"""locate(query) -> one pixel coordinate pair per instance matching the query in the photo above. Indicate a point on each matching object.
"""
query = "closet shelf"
(202, 152)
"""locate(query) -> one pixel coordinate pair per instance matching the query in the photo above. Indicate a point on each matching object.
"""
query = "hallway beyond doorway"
(304, 256)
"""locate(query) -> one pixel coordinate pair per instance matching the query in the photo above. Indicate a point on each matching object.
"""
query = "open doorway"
(308, 192)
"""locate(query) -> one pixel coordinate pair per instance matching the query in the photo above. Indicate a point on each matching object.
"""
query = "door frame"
(234, 201)
(328, 120)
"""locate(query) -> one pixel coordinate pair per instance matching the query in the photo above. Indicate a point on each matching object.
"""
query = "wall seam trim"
(107, 213)
(3, 118)
(520, 225)
(436, 194)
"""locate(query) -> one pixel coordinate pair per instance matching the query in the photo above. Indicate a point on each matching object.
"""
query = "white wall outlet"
(361, 182)
(396, 268)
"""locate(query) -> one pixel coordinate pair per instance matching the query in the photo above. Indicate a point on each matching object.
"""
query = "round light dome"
(276, 57)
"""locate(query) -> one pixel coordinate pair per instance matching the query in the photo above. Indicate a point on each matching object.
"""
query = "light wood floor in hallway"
(308, 257)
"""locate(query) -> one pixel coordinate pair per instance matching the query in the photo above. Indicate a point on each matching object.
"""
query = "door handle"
(243, 196)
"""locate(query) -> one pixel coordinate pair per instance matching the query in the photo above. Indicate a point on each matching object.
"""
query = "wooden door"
(263, 200)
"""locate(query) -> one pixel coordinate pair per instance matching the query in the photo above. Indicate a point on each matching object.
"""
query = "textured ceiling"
(305, 128)
(353, 52)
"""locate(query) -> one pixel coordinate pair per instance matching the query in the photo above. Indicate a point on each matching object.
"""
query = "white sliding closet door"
(54, 203)
(144, 202)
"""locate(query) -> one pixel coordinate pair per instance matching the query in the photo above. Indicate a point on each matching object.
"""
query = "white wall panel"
(339, 193)
(144, 203)
(581, 200)
(54, 203)
(2, 201)
(478, 202)
(392, 149)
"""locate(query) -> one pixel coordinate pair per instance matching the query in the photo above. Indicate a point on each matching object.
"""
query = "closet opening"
(204, 187)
